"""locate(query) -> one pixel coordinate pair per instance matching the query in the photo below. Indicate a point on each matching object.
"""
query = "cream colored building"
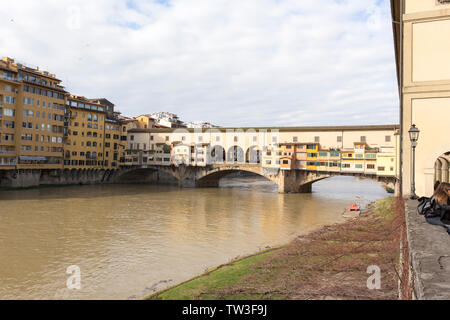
(422, 43)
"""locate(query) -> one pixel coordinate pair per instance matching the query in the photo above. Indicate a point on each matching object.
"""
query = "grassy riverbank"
(327, 264)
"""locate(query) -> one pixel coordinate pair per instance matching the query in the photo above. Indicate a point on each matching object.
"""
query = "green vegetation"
(389, 190)
(327, 264)
(223, 276)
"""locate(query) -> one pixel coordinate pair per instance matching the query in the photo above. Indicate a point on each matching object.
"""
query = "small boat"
(352, 211)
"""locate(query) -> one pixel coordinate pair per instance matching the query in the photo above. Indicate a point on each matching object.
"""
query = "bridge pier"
(293, 181)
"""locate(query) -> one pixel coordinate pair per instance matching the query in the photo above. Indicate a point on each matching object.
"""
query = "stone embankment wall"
(34, 178)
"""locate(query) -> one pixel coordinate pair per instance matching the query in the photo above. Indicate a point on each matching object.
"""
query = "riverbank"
(330, 263)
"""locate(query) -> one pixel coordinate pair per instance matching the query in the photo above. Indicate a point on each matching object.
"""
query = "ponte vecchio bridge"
(292, 157)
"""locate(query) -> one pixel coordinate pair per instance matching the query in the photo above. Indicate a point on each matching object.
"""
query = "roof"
(38, 73)
(280, 129)
(146, 115)
(103, 101)
(157, 125)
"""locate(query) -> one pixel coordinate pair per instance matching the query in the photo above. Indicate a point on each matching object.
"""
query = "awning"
(32, 158)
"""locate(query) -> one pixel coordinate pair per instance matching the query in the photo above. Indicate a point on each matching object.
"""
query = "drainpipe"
(401, 96)
(400, 89)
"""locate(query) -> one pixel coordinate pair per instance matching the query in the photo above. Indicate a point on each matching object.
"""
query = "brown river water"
(130, 240)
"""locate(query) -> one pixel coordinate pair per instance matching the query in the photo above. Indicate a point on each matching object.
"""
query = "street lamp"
(413, 136)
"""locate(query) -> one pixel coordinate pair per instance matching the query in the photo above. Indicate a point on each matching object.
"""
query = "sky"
(228, 62)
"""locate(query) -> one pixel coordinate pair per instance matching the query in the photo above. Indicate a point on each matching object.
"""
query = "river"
(130, 240)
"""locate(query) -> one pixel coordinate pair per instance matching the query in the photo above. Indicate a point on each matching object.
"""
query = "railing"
(7, 152)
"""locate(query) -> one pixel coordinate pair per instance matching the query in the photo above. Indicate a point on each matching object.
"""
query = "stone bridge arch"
(288, 181)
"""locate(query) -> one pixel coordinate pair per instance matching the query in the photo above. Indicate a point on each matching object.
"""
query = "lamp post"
(413, 136)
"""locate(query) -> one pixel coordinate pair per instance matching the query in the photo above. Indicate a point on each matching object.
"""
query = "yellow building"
(312, 150)
(422, 33)
(146, 121)
(114, 146)
(31, 119)
(85, 134)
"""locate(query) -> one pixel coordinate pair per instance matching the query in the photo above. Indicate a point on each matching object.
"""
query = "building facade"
(364, 150)
(31, 118)
(422, 33)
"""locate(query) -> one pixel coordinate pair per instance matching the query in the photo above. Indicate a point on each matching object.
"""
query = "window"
(10, 100)
(363, 138)
(8, 137)
(339, 138)
(316, 139)
(370, 166)
(27, 113)
(380, 168)
(29, 101)
(387, 138)
(27, 137)
(9, 112)
(295, 139)
(8, 124)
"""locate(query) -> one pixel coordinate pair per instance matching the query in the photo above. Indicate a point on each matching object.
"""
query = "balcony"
(7, 152)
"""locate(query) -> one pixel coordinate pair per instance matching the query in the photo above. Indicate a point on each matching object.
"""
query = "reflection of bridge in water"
(288, 181)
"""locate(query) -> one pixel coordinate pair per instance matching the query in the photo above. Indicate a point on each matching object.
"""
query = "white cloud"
(231, 62)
